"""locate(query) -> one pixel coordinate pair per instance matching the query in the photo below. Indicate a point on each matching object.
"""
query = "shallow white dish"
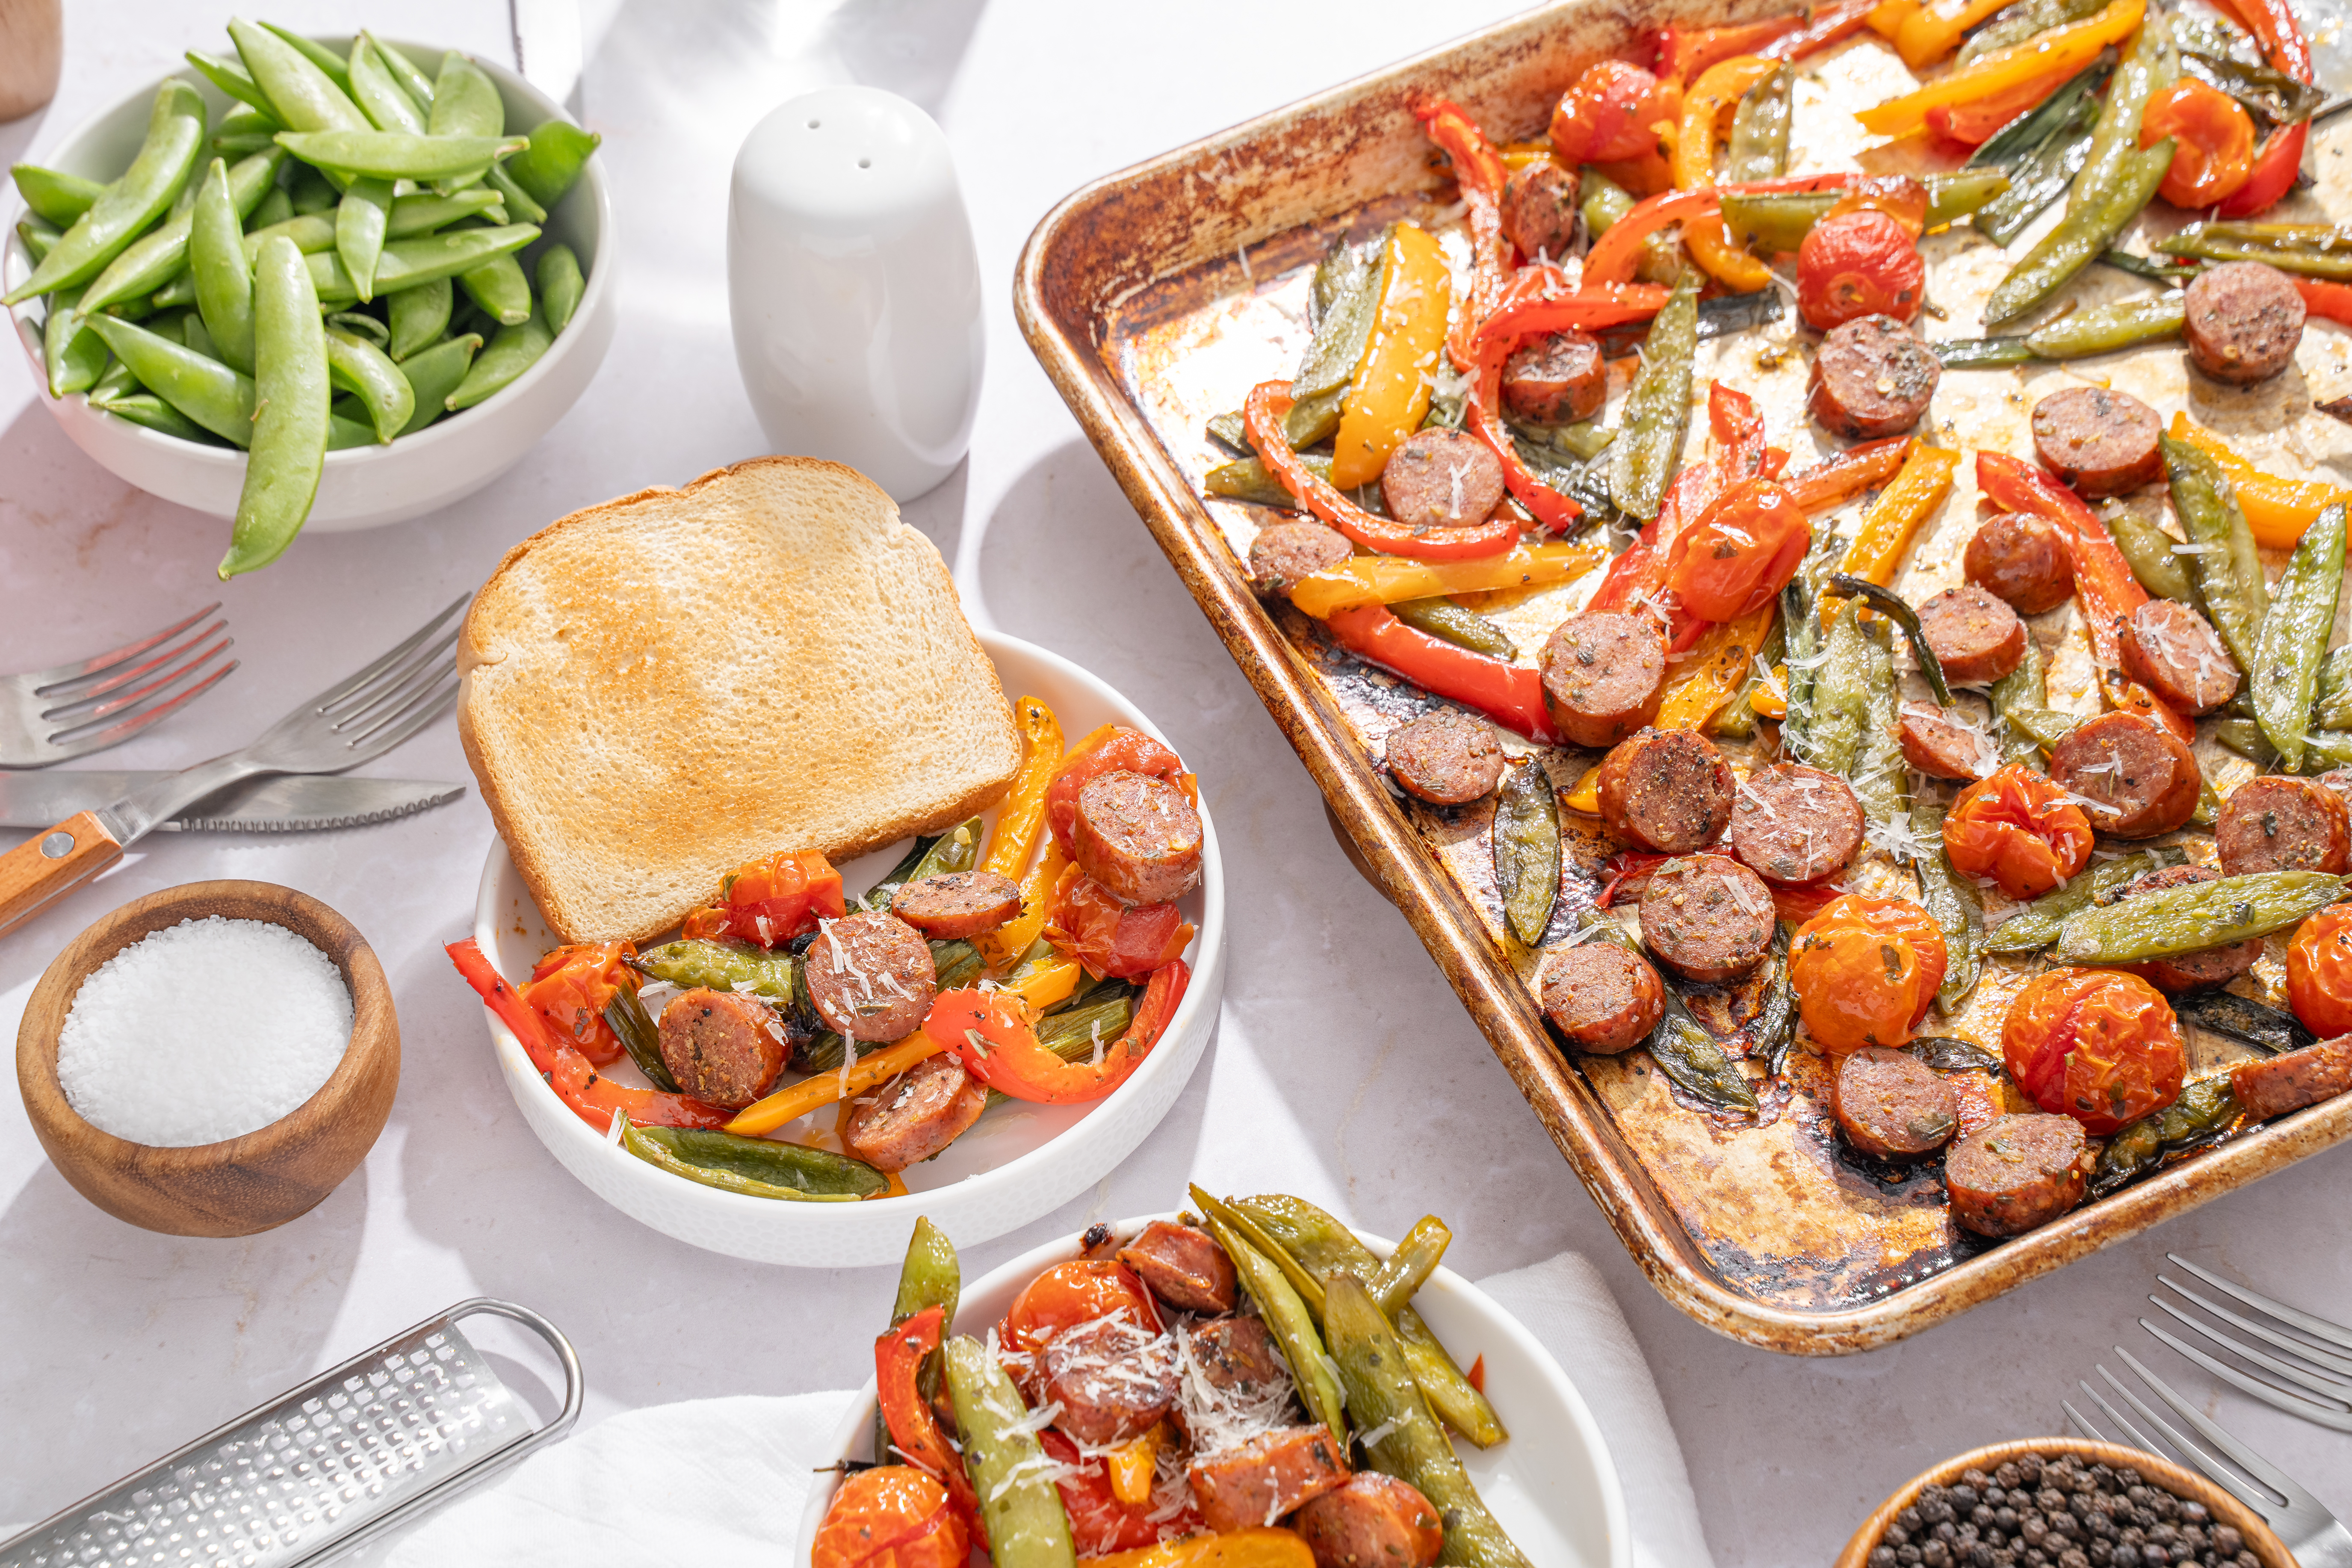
(362, 486)
(1552, 1484)
(1017, 1163)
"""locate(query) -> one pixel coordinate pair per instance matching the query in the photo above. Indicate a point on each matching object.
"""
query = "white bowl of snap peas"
(364, 486)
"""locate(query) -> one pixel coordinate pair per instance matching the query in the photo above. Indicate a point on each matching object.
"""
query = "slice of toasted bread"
(661, 688)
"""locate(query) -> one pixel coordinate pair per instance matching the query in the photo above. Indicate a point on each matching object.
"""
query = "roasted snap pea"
(1656, 416)
(1839, 717)
(1442, 617)
(146, 409)
(433, 374)
(294, 87)
(1957, 905)
(206, 390)
(361, 219)
(1803, 650)
(2314, 250)
(224, 278)
(1779, 221)
(2267, 1029)
(957, 849)
(1349, 279)
(57, 198)
(560, 286)
(639, 1036)
(2195, 916)
(1416, 1257)
(1286, 1314)
(1950, 1053)
(73, 356)
(2037, 924)
(755, 1167)
(289, 412)
(2244, 736)
(2110, 328)
(2203, 1109)
(2331, 701)
(930, 1277)
(418, 317)
(2285, 673)
(1076, 1034)
(2142, 267)
(2027, 727)
(2148, 550)
(2026, 19)
(2269, 94)
(1758, 146)
(2325, 749)
(361, 367)
(1690, 1055)
(1019, 1503)
(1605, 201)
(1896, 608)
(514, 350)
(1246, 478)
(1983, 353)
(1774, 1034)
(700, 962)
(2043, 175)
(559, 150)
(1882, 783)
(2224, 563)
(1527, 850)
(121, 212)
(378, 92)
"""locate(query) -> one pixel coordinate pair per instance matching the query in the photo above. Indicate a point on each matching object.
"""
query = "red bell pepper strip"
(592, 1097)
(1831, 24)
(914, 1429)
(1478, 171)
(2280, 157)
(1628, 871)
(2103, 579)
(1525, 312)
(2330, 300)
(1547, 505)
(1638, 575)
(1682, 54)
(1268, 401)
(1851, 472)
(1615, 254)
(1510, 694)
(1800, 903)
(572, 986)
(991, 1032)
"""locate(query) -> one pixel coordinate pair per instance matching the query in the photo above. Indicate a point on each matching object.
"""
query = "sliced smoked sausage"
(1557, 379)
(1667, 790)
(2280, 824)
(2020, 558)
(1707, 916)
(1235, 1356)
(1183, 1266)
(870, 976)
(1284, 552)
(2293, 1080)
(2134, 778)
(1976, 637)
(1139, 837)
(957, 903)
(2175, 653)
(1539, 210)
(1602, 676)
(723, 1048)
(1114, 1376)
(2021, 1172)
(2243, 321)
(1894, 1106)
(1936, 744)
(1604, 998)
(2199, 971)
(1442, 479)
(1267, 1477)
(1872, 377)
(2101, 442)
(1793, 825)
(1373, 1522)
(920, 1112)
(1445, 757)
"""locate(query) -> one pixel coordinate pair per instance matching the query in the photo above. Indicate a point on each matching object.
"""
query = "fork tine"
(424, 655)
(398, 727)
(2220, 1474)
(65, 750)
(368, 674)
(2338, 1415)
(2245, 1458)
(2081, 1422)
(68, 722)
(124, 674)
(425, 667)
(2308, 1351)
(58, 675)
(2133, 1436)
(2317, 1327)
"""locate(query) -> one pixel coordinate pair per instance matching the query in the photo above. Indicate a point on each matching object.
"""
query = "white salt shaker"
(855, 287)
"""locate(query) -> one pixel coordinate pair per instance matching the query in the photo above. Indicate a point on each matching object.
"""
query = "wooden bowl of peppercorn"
(2227, 1534)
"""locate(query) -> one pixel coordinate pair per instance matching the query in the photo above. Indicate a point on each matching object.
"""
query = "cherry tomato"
(572, 986)
(1114, 748)
(1741, 552)
(2213, 143)
(1100, 1524)
(2020, 829)
(894, 1516)
(1086, 922)
(771, 900)
(2097, 1045)
(1611, 114)
(1865, 971)
(2319, 972)
(1068, 1294)
(1859, 264)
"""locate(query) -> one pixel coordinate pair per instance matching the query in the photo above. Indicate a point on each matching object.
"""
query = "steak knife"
(284, 803)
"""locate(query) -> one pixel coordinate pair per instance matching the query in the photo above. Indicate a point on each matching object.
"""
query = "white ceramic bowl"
(362, 486)
(1017, 1163)
(1552, 1484)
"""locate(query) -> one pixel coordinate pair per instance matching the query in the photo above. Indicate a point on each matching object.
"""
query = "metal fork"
(49, 715)
(2316, 1537)
(2323, 1369)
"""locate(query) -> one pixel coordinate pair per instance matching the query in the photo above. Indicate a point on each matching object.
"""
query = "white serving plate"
(1018, 1162)
(1552, 1484)
(362, 487)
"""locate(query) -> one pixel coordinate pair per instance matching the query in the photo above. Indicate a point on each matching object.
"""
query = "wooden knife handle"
(46, 864)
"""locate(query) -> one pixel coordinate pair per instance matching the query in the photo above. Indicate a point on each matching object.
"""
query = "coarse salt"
(203, 1031)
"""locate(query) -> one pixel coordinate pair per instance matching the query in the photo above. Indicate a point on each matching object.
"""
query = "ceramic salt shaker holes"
(855, 287)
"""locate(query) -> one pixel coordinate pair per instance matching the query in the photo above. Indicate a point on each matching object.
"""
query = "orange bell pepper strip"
(2277, 510)
(1510, 694)
(1390, 579)
(1391, 392)
(1255, 1547)
(1005, 946)
(2280, 157)
(1709, 99)
(1770, 697)
(1262, 413)
(1683, 56)
(572, 986)
(2067, 49)
(1887, 527)
(1886, 18)
(1935, 30)
(1614, 255)
(820, 1089)
(1479, 171)
(999, 1046)
(1723, 652)
(1831, 24)
(1851, 472)
(2331, 302)
(2103, 579)
(1017, 820)
(1133, 1465)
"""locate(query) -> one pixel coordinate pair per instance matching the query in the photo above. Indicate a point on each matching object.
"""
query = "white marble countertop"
(1338, 1030)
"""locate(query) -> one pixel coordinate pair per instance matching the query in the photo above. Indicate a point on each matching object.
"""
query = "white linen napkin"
(723, 1480)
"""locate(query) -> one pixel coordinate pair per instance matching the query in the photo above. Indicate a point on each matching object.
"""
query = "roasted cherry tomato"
(1082, 1291)
(572, 986)
(1114, 748)
(1086, 922)
(2097, 1045)
(2020, 829)
(771, 900)
(1100, 1524)
(1899, 196)
(2213, 143)
(1859, 264)
(2319, 972)
(894, 1516)
(1741, 553)
(1865, 971)
(1611, 114)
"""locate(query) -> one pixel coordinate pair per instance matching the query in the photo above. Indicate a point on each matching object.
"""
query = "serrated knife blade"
(282, 802)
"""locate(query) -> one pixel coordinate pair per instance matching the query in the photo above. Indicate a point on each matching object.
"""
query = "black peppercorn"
(1982, 1516)
(1962, 1497)
(2227, 1541)
(1936, 1554)
(1909, 1518)
(1906, 1556)
(2194, 1513)
(2009, 1475)
(2073, 1557)
(1882, 1557)
(1896, 1536)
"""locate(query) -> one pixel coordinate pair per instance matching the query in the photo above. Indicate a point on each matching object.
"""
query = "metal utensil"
(391, 1432)
(2316, 1537)
(282, 803)
(349, 723)
(2323, 1369)
(49, 715)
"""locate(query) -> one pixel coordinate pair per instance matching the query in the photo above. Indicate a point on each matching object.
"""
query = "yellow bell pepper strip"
(1131, 1466)
(1715, 94)
(821, 1090)
(1586, 797)
(1722, 652)
(1886, 18)
(1007, 942)
(1262, 416)
(2277, 510)
(1770, 697)
(1049, 982)
(1392, 387)
(1933, 31)
(1256, 1547)
(1920, 487)
(1024, 804)
(2070, 47)
(1392, 579)
(1518, 156)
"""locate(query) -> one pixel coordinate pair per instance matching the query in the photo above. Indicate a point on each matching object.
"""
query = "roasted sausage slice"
(2020, 558)
(1894, 1106)
(1976, 636)
(1539, 210)
(1936, 744)
(1139, 837)
(2175, 653)
(1234, 1356)
(1794, 824)
(2243, 321)
(2293, 1080)
(1373, 1522)
(870, 976)
(2134, 778)
(1872, 377)
(1557, 379)
(1183, 1266)
(1667, 790)
(1445, 757)
(957, 903)
(1442, 479)
(1604, 998)
(2280, 824)
(2018, 1173)
(1114, 1376)
(1707, 916)
(1284, 553)
(918, 1114)
(722, 1047)
(2200, 970)
(1603, 676)
(2103, 443)
(1267, 1477)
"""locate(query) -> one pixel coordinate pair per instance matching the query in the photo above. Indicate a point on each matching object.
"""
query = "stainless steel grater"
(391, 1433)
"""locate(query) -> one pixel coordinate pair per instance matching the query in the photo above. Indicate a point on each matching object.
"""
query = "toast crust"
(662, 687)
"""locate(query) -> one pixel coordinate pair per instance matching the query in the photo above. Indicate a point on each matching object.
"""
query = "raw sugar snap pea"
(361, 220)
(359, 366)
(560, 286)
(313, 234)
(146, 409)
(559, 150)
(499, 288)
(424, 212)
(514, 350)
(231, 77)
(72, 355)
(465, 102)
(38, 236)
(274, 207)
(433, 374)
(362, 323)
(418, 317)
(206, 391)
(405, 263)
(289, 415)
(513, 197)
(397, 155)
(2196, 916)
(294, 88)
(755, 1167)
(218, 267)
(1527, 850)
(117, 382)
(192, 334)
(338, 70)
(1657, 411)
(121, 212)
(403, 70)
(157, 256)
(57, 197)
(1027, 1526)
(2285, 673)
(379, 93)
